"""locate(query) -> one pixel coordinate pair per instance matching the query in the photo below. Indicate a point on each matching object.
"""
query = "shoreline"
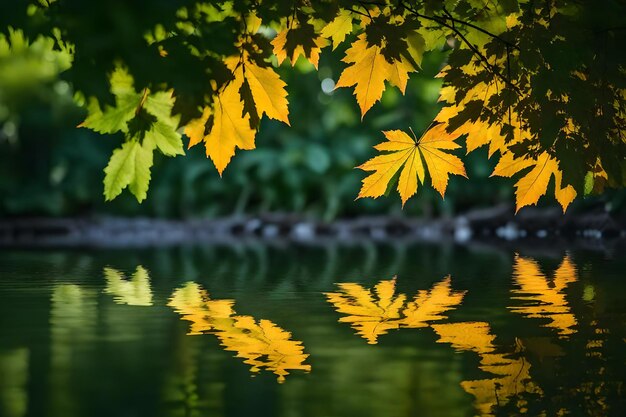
(497, 225)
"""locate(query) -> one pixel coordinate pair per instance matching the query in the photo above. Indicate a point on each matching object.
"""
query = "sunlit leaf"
(141, 177)
(230, 129)
(295, 42)
(534, 184)
(338, 28)
(413, 157)
(130, 165)
(121, 169)
(369, 69)
(268, 91)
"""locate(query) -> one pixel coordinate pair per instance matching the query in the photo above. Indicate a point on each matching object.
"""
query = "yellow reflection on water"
(543, 297)
(262, 344)
(373, 313)
(133, 292)
(73, 325)
(511, 373)
(430, 305)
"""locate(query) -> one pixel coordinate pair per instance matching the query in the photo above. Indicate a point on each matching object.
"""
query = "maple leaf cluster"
(500, 90)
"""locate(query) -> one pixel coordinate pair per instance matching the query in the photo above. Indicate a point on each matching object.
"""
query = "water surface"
(417, 330)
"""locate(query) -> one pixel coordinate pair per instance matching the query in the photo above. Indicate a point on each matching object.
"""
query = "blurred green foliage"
(49, 167)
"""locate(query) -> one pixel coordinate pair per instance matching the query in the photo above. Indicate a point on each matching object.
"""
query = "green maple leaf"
(112, 119)
(121, 169)
(146, 120)
(141, 173)
(115, 118)
(129, 166)
(128, 106)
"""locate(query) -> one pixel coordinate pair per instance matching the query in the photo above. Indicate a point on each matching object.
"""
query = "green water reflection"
(361, 331)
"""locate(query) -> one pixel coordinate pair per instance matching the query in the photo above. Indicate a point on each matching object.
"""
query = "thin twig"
(443, 22)
(462, 22)
(359, 13)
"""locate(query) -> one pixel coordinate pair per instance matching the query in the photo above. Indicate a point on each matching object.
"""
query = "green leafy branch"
(145, 118)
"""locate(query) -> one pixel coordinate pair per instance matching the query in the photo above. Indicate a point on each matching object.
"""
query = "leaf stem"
(144, 96)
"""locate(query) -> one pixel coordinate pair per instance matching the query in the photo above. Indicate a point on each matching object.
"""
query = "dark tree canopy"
(541, 83)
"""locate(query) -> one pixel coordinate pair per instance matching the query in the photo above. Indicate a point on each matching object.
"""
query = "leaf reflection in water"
(512, 376)
(428, 306)
(373, 313)
(14, 367)
(133, 292)
(262, 344)
(544, 298)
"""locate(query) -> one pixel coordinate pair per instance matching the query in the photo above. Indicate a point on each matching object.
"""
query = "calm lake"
(362, 330)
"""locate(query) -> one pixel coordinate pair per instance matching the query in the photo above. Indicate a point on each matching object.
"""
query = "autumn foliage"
(541, 85)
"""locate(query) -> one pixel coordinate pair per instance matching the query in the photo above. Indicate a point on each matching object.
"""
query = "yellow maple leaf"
(195, 129)
(430, 305)
(230, 130)
(268, 91)
(479, 132)
(399, 72)
(508, 165)
(371, 314)
(534, 184)
(338, 28)
(369, 70)
(284, 49)
(544, 298)
(483, 130)
(262, 344)
(411, 155)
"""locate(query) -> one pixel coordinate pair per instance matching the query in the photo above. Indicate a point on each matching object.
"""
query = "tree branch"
(443, 21)
(462, 22)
